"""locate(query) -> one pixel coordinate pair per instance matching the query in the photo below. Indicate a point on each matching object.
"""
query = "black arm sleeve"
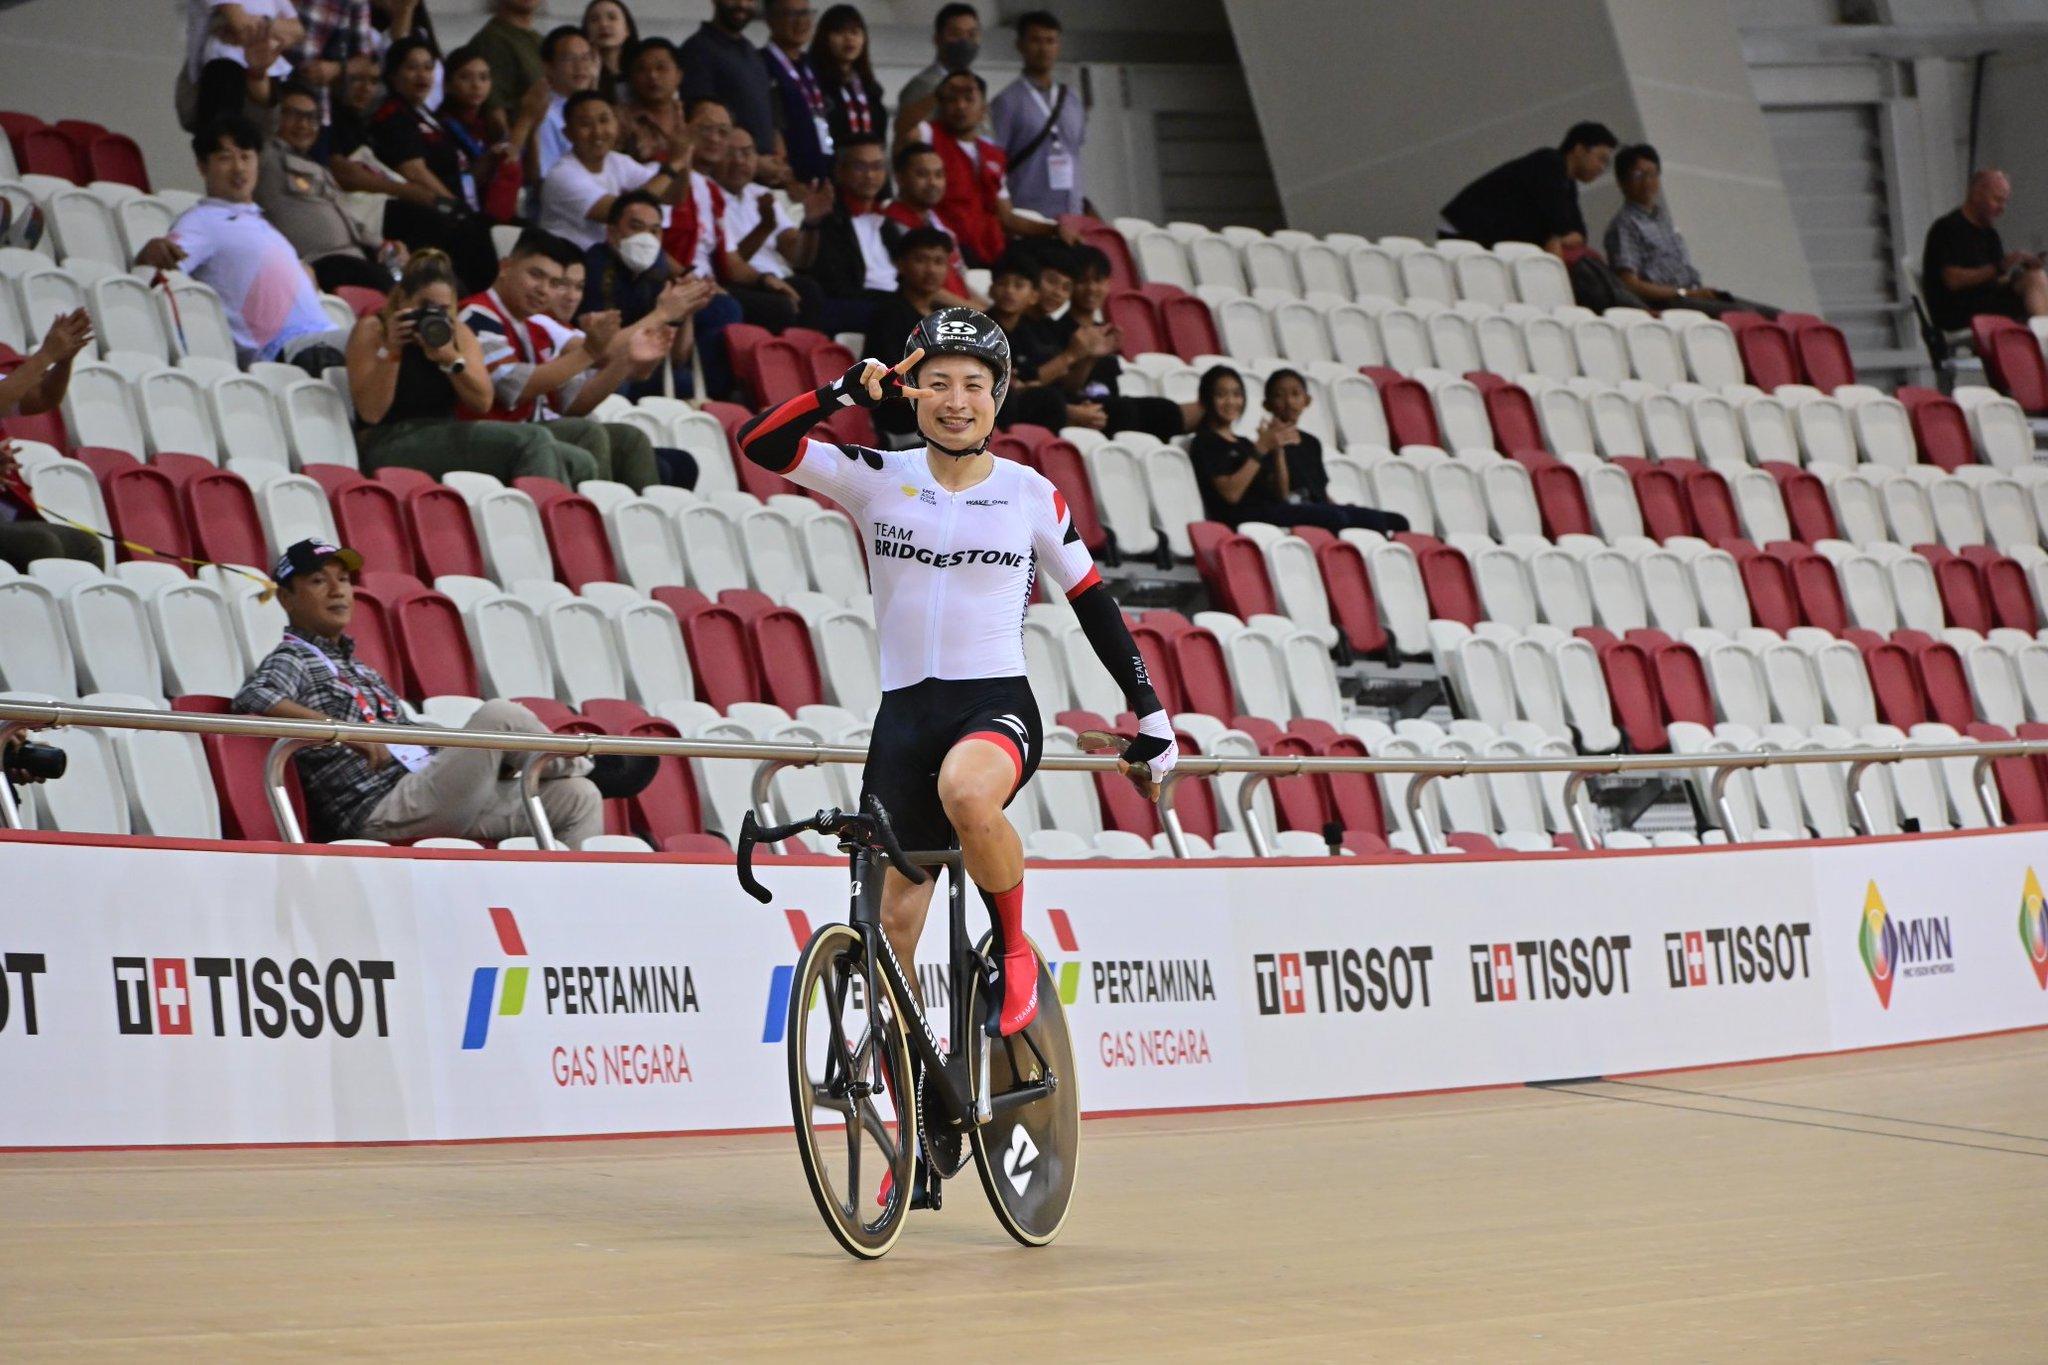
(775, 439)
(1103, 623)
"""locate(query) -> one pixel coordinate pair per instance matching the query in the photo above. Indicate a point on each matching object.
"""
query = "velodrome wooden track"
(1885, 1205)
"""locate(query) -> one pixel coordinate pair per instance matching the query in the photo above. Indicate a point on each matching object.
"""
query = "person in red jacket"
(976, 207)
(37, 385)
(921, 186)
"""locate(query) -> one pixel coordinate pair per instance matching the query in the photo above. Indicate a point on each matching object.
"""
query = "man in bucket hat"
(403, 792)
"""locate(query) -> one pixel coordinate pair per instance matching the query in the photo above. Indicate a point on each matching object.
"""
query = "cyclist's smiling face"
(963, 412)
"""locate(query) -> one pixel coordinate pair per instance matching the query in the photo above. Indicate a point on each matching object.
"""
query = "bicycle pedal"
(926, 1194)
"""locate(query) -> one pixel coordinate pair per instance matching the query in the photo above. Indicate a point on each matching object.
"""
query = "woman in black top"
(1243, 480)
(839, 54)
(416, 144)
(410, 396)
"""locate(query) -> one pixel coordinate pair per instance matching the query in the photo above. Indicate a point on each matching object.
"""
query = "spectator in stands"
(409, 395)
(851, 261)
(976, 208)
(800, 104)
(921, 257)
(921, 185)
(764, 245)
(571, 66)
(534, 371)
(719, 63)
(1245, 480)
(233, 50)
(613, 33)
(1085, 329)
(1055, 279)
(395, 19)
(299, 195)
(512, 47)
(495, 143)
(853, 97)
(628, 273)
(348, 116)
(619, 354)
(408, 138)
(1040, 123)
(1646, 251)
(403, 791)
(335, 30)
(1040, 356)
(956, 41)
(225, 242)
(1535, 197)
(576, 200)
(1287, 398)
(565, 309)
(653, 124)
(37, 385)
(1966, 269)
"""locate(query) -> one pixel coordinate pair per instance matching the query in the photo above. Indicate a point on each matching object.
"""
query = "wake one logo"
(1893, 949)
(607, 989)
(1344, 980)
(18, 999)
(251, 997)
(2033, 929)
(1738, 956)
(1550, 969)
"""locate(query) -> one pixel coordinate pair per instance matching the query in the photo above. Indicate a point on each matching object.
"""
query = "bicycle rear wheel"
(851, 1094)
(1028, 1155)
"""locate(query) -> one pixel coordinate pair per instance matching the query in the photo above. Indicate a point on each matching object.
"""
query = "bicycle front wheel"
(1028, 1152)
(851, 1093)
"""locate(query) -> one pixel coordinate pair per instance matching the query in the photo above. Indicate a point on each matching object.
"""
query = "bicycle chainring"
(945, 1147)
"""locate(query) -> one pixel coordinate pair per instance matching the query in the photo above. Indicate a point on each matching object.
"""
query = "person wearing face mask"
(576, 199)
(956, 40)
(720, 64)
(955, 541)
(627, 273)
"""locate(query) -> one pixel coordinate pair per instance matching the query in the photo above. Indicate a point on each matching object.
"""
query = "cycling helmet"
(964, 331)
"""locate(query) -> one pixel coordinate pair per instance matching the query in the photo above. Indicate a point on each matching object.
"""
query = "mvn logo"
(482, 986)
(1901, 948)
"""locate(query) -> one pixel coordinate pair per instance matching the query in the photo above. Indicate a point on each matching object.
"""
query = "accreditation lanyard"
(377, 713)
(814, 95)
(853, 97)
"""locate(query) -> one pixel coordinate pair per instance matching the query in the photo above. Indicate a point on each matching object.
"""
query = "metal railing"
(290, 736)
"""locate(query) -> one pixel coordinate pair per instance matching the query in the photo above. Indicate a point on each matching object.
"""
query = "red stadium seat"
(17, 126)
(44, 427)
(443, 536)
(362, 302)
(1942, 432)
(397, 476)
(668, 807)
(781, 372)
(2012, 596)
(1062, 463)
(371, 520)
(1159, 293)
(1157, 652)
(375, 632)
(1819, 592)
(704, 844)
(721, 656)
(237, 764)
(1201, 672)
(225, 527)
(435, 645)
(1661, 495)
(80, 133)
(1242, 579)
(541, 489)
(849, 426)
(1007, 447)
(1632, 684)
(2022, 371)
(1561, 497)
(1123, 272)
(332, 478)
(1207, 537)
(681, 601)
(1516, 430)
(105, 462)
(1353, 798)
(576, 535)
(1895, 683)
(143, 505)
(1298, 801)
(788, 667)
(1411, 414)
(1806, 503)
(1447, 578)
(1768, 355)
(1472, 843)
(1945, 683)
(1768, 582)
(1194, 798)
(1352, 604)
(1712, 505)
(1682, 684)
(1823, 355)
(826, 363)
(742, 339)
(1190, 329)
(45, 151)
(1963, 598)
(1264, 732)
(2020, 788)
(746, 603)
(116, 158)
(1136, 318)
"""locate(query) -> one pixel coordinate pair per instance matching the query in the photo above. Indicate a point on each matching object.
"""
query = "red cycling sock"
(1020, 963)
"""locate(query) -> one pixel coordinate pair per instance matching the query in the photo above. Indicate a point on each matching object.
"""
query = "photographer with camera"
(412, 365)
(24, 761)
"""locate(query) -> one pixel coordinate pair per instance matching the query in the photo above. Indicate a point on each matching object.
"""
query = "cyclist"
(956, 539)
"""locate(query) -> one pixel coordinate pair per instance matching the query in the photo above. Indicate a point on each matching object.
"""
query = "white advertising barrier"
(155, 996)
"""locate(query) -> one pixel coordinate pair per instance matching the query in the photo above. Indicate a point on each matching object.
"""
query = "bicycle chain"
(955, 1155)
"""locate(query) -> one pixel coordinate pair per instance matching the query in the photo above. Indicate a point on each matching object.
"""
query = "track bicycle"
(870, 1084)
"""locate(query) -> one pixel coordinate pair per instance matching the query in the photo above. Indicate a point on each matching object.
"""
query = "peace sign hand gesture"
(870, 382)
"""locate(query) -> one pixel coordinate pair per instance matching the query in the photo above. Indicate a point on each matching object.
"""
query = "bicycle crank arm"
(1023, 1095)
(982, 1110)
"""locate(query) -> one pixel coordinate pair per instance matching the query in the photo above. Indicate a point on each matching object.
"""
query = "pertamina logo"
(1343, 980)
(1745, 954)
(252, 997)
(934, 988)
(1896, 949)
(598, 989)
(18, 999)
(1550, 969)
(2034, 928)
(1183, 982)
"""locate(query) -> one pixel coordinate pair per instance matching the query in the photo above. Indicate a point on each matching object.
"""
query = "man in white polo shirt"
(226, 243)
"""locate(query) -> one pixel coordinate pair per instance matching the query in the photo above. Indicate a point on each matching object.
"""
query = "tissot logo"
(1343, 980)
(1550, 969)
(1740, 956)
(18, 973)
(246, 997)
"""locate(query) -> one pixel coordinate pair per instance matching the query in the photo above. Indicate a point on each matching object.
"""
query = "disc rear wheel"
(851, 1094)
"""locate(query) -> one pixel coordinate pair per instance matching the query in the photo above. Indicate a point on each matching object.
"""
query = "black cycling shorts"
(918, 726)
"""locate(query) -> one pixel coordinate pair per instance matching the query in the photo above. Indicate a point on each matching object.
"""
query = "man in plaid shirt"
(403, 792)
(336, 30)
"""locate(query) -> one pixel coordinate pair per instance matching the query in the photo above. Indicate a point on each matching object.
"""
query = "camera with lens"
(26, 762)
(432, 326)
